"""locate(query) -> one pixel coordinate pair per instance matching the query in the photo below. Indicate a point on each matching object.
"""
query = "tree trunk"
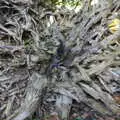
(75, 56)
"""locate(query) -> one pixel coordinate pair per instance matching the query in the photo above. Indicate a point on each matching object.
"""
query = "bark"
(72, 58)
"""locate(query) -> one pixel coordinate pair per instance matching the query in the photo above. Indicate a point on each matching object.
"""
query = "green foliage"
(53, 4)
(68, 2)
(28, 43)
(72, 3)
